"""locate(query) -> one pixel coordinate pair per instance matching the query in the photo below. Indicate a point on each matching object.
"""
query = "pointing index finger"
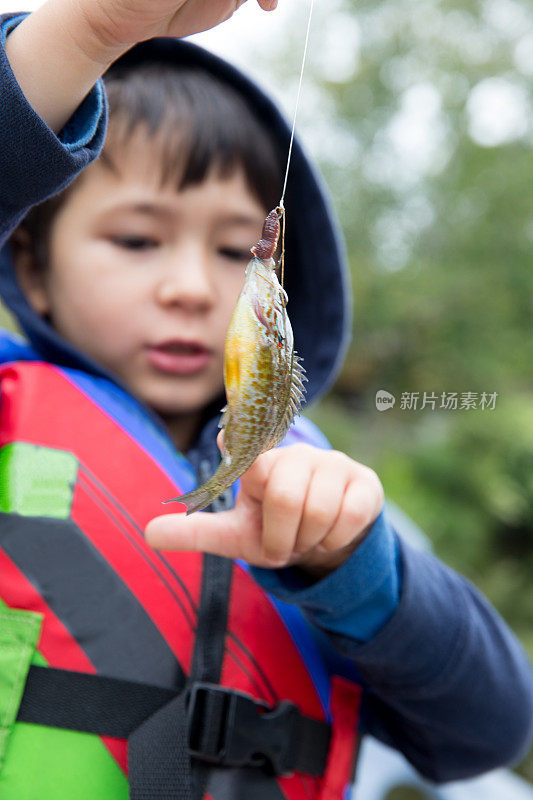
(201, 532)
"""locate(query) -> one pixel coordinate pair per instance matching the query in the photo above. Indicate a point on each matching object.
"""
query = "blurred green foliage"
(440, 242)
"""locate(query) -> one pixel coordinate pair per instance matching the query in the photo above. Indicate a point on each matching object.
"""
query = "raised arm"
(58, 53)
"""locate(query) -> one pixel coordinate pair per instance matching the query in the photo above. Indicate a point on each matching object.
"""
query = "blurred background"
(420, 115)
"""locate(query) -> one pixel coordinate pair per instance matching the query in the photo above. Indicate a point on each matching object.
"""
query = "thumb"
(206, 533)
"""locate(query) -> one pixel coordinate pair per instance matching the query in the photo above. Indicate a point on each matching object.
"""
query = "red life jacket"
(77, 488)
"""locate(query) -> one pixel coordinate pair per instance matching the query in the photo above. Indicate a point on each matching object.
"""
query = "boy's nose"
(186, 282)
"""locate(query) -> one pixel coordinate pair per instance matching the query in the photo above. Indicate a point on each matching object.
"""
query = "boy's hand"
(297, 506)
(112, 26)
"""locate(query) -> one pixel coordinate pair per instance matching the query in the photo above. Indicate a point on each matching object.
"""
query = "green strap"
(19, 633)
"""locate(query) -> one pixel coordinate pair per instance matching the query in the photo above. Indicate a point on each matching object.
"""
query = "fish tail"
(204, 495)
(199, 498)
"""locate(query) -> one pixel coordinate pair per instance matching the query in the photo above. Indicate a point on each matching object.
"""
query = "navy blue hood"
(315, 275)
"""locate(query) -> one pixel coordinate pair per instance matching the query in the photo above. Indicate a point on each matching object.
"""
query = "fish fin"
(203, 495)
(224, 418)
(294, 404)
(197, 499)
(297, 392)
(224, 424)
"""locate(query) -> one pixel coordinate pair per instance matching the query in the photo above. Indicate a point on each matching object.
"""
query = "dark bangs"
(196, 124)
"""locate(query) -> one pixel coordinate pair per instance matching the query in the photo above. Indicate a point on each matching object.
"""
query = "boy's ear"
(30, 275)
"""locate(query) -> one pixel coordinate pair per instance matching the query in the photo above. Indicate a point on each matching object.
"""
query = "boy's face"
(144, 279)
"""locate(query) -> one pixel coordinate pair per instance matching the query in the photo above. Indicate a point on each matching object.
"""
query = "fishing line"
(281, 207)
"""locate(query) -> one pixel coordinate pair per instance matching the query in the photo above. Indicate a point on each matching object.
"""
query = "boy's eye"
(234, 253)
(135, 242)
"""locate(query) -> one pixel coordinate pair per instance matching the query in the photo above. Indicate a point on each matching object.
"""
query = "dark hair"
(197, 122)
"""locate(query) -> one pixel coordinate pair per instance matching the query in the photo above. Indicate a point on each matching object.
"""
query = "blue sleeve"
(449, 684)
(358, 598)
(34, 162)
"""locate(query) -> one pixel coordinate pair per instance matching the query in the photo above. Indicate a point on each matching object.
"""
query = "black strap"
(218, 725)
(78, 701)
(210, 642)
(158, 755)
(158, 750)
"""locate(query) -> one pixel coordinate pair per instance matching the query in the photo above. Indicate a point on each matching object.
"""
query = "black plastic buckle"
(232, 729)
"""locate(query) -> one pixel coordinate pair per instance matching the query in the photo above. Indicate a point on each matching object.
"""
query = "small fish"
(263, 376)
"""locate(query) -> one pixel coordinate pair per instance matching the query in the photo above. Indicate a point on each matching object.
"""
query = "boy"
(224, 678)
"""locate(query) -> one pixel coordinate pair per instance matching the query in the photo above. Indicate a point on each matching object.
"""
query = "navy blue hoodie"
(446, 681)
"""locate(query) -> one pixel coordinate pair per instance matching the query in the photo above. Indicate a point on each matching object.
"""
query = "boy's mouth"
(179, 357)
